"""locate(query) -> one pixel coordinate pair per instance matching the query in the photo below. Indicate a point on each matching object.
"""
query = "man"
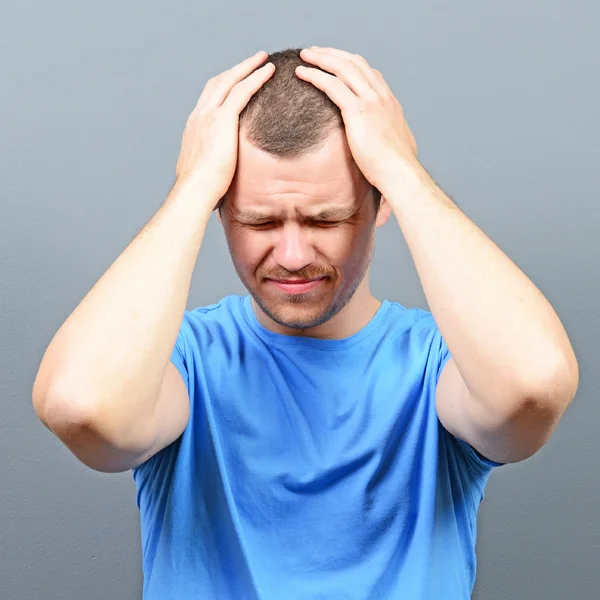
(307, 440)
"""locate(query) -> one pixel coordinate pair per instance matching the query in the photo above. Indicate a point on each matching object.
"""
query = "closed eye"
(327, 223)
(268, 224)
(263, 225)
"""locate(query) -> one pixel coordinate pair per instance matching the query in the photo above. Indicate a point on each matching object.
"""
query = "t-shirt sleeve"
(178, 358)
(477, 462)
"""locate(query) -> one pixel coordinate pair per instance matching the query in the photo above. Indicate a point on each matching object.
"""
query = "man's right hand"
(210, 140)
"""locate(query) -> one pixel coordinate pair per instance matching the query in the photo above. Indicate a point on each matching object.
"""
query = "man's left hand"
(376, 130)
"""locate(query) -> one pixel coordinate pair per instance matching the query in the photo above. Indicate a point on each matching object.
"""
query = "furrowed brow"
(333, 213)
(254, 216)
(330, 213)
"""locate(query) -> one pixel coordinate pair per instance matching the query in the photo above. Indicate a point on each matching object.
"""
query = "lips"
(297, 286)
(293, 281)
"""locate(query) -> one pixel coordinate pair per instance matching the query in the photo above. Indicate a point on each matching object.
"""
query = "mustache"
(308, 272)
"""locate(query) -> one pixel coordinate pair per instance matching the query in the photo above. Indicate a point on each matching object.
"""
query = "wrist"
(403, 178)
(198, 191)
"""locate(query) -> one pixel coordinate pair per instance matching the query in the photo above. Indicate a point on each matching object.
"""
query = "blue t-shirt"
(310, 468)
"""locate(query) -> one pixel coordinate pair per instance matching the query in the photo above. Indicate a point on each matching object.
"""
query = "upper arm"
(171, 414)
(503, 438)
(87, 441)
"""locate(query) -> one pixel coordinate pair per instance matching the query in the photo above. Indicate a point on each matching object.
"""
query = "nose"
(293, 249)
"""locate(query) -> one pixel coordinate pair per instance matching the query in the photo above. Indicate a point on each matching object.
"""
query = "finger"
(334, 87)
(383, 83)
(346, 70)
(217, 89)
(337, 52)
(245, 89)
(360, 62)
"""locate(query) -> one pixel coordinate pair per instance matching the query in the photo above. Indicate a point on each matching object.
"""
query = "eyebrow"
(332, 212)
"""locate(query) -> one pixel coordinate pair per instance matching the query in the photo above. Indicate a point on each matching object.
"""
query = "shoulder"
(204, 324)
(226, 309)
(414, 322)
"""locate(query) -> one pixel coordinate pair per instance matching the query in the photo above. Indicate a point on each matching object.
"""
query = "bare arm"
(105, 385)
(105, 366)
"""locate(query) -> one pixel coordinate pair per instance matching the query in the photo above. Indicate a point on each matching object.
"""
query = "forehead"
(327, 175)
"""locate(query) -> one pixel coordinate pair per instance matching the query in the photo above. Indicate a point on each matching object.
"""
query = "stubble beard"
(322, 316)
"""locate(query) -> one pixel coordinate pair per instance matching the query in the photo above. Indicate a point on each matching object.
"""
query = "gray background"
(503, 100)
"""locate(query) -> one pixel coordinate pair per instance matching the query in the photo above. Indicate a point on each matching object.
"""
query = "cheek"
(334, 247)
(247, 248)
(344, 246)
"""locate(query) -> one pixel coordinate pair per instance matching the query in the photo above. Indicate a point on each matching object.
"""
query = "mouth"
(297, 286)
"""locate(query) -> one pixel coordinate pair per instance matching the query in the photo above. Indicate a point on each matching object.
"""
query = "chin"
(297, 320)
(301, 311)
(297, 311)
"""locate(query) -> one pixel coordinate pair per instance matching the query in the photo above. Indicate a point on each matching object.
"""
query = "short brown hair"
(287, 116)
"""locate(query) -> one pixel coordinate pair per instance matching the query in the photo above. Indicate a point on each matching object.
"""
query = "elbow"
(48, 401)
(557, 389)
(550, 395)
(61, 415)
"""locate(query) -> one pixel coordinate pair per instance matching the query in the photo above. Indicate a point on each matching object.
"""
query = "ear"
(383, 214)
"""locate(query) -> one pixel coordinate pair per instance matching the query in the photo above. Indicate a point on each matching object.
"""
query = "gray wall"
(503, 100)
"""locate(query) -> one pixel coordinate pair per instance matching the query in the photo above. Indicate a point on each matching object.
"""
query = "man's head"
(298, 207)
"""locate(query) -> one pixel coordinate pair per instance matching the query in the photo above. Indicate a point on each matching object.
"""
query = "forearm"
(503, 334)
(110, 355)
